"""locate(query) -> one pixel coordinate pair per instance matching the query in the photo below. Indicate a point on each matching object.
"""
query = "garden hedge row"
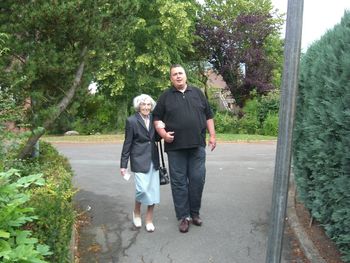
(321, 143)
(52, 202)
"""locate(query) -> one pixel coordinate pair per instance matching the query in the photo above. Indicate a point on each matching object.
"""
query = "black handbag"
(163, 172)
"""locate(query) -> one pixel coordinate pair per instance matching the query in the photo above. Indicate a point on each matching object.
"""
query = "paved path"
(235, 208)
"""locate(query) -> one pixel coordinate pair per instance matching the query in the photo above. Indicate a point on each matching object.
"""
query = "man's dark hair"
(175, 66)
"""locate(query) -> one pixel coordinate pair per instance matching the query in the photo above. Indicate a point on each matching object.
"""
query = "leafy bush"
(53, 206)
(226, 123)
(268, 104)
(31, 216)
(321, 142)
(270, 125)
(9, 112)
(95, 113)
(251, 107)
(52, 202)
(3, 47)
(249, 123)
(261, 114)
(16, 244)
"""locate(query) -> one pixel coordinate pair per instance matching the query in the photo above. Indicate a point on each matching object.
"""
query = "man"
(181, 117)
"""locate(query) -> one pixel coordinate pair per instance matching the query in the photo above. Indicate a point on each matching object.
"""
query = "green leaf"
(31, 179)
(23, 237)
(5, 249)
(4, 234)
(43, 250)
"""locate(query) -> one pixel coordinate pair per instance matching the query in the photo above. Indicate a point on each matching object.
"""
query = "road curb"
(309, 249)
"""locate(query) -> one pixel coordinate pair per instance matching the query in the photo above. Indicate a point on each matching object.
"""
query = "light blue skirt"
(147, 187)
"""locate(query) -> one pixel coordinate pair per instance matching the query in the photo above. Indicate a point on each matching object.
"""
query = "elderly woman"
(140, 146)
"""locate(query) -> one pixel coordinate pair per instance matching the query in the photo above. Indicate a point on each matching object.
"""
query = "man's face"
(178, 77)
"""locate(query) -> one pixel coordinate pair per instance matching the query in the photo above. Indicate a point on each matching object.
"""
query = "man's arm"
(212, 136)
(160, 128)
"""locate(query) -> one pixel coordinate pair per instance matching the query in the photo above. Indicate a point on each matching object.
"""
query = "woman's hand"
(123, 171)
(125, 174)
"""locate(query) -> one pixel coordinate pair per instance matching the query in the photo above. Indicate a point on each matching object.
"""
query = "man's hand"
(211, 130)
(212, 143)
(169, 137)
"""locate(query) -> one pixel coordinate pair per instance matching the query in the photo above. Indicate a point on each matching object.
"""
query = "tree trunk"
(32, 140)
(204, 80)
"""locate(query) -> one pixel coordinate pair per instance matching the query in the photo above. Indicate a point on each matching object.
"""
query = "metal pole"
(286, 121)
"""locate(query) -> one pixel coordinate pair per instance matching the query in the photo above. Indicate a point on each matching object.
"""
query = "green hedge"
(321, 157)
(260, 116)
(52, 202)
(17, 243)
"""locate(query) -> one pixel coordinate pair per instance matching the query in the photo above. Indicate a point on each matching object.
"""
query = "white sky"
(318, 17)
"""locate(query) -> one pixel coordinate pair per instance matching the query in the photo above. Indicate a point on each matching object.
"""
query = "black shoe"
(184, 225)
(196, 220)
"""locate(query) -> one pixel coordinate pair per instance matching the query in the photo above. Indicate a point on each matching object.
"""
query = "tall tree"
(236, 36)
(55, 48)
(163, 35)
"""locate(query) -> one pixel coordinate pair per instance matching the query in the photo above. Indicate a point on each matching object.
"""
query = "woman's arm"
(128, 140)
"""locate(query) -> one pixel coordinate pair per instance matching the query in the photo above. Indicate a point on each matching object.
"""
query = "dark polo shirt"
(186, 114)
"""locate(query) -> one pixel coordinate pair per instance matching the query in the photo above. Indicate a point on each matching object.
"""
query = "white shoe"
(136, 220)
(150, 227)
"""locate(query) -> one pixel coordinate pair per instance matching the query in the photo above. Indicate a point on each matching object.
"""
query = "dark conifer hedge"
(321, 154)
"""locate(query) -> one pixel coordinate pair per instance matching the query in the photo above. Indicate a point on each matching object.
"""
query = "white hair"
(143, 98)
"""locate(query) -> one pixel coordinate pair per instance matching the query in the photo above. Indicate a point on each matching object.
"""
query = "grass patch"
(225, 137)
(83, 138)
(221, 137)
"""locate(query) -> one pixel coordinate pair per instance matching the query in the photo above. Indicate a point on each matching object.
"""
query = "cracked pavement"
(235, 208)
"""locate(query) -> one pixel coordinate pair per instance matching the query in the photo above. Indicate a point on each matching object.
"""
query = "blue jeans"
(187, 178)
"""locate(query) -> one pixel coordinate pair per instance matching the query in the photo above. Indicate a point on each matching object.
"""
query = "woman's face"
(145, 108)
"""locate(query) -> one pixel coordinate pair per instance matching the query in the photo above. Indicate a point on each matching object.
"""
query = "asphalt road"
(235, 208)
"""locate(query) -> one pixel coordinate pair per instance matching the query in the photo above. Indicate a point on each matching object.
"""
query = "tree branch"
(32, 140)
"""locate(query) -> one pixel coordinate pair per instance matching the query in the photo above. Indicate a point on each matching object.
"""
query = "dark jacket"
(139, 145)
